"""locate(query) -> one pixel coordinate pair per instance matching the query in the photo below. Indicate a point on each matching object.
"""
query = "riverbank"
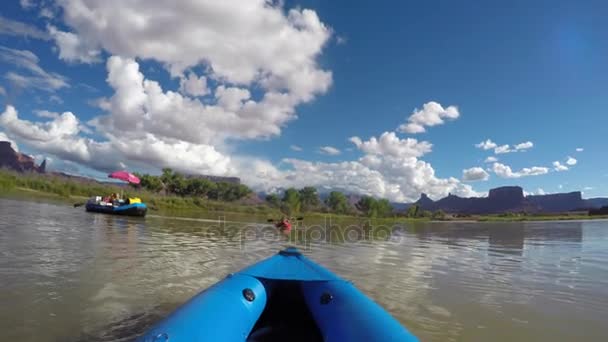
(38, 187)
(200, 208)
(178, 206)
(34, 187)
(543, 218)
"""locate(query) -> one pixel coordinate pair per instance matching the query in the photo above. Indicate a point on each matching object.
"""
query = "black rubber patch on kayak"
(290, 251)
(326, 298)
(249, 295)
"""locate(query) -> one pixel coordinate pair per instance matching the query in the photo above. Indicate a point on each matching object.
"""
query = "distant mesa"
(13, 160)
(425, 201)
(511, 199)
(508, 195)
(597, 202)
(559, 202)
(601, 211)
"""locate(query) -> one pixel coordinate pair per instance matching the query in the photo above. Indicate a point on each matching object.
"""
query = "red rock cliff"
(11, 159)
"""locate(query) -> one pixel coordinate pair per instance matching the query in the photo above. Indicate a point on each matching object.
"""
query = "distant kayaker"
(284, 225)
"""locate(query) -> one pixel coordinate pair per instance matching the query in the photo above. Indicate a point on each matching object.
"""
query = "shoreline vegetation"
(174, 194)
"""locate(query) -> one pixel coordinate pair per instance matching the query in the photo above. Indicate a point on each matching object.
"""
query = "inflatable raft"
(286, 297)
(131, 209)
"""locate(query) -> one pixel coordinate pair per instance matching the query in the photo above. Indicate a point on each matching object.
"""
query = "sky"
(386, 98)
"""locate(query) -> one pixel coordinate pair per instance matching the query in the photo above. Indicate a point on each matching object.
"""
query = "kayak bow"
(286, 297)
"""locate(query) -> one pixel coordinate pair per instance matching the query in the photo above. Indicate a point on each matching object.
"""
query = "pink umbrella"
(125, 176)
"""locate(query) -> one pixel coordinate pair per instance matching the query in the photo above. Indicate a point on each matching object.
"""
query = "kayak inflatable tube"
(286, 297)
(133, 209)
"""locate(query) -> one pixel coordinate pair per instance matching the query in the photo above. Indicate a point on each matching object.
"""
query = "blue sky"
(515, 73)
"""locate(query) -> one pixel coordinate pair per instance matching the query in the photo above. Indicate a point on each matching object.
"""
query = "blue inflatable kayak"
(286, 297)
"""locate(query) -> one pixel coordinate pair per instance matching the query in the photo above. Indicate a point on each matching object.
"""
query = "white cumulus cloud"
(502, 149)
(389, 144)
(387, 169)
(579, 149)
(73, 48)
(491, 159)
(194, 85)
(45, 114)
(140, 106)
(431, 114)
(61, 138)
(486, 145)
(538, 192)
(255, 41)
(506, 148)
(474, 174)
(557, 166)
(571, 161)
(63, 126)
(329, 150)
(524, 146)
(505, 171)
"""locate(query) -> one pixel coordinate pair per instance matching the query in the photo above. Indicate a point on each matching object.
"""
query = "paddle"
(300, 218)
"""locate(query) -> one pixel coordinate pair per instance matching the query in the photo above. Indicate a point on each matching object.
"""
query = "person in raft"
(284, 225)
(112, 199)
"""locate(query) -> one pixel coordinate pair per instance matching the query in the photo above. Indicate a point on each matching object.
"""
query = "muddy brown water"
(68, 275)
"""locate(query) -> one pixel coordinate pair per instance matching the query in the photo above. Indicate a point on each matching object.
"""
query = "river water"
(68, 275)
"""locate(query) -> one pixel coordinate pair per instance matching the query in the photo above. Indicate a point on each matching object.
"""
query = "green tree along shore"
(292, 201)
(173, 191)
(173, 183)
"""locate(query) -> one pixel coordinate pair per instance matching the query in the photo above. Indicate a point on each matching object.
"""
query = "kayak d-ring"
(249, 295)
(162, 337)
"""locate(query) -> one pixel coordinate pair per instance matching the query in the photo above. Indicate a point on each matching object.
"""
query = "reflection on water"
(67, 275)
